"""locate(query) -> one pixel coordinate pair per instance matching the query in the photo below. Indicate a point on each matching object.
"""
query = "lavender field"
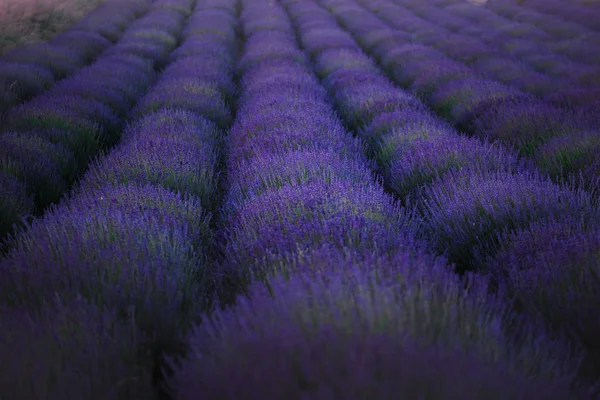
(303, 200)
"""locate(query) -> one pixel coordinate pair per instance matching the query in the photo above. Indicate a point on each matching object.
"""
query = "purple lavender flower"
(381, 39)
(279, 132)
(227, 5)
(413, 155)
(426, 76)
(273, 171)
(318, 40)
(154, 35)
(354, 335)
(334, 59)
(502, 68)
(219, 23)
(76, 114)
(574, 97)
(203, 67)
(518, 30)
(268, 23)
(576, 49)
(273, 86)
(440, 16)
(268, 45)
(464, 211)
(152, 49)
(567, 11)
(544, 62)
(15, 203)
(464, 100)
(359, 105)
(128, 248)
(86, 45)
(574, 154)
(206, 44)
(586, 76)
(521, 48)
(552, 268)
(129, 74)
(60, 60)
(45, 167)
(386, 123)
(186, 93)
(125, 61)
(110, 19)
(21, 81)
(284, 68)
(169, 21)
(181, 6)
(72, 349)
(526, 124)
(463, 48)
(59, 124)
(173, 149)
(471, 11)
(582, 102)
(305, 215)
(99, 90)
(395, 59)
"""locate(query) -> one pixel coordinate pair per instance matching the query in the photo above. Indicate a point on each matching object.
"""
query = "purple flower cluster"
(15, 203)
(466, 210)
(552, 269)
(153, 36)
(45, 167)
(31, 69)
(563, 10)
(129, 243)
(411, 146)
(353, 326)
(472, 102)
(173, 149)
(81, 114)
(296, 178)
(196, 80)
(472, 195)
(344, 294)
(573, 47)
(479, 44)
(71, 350)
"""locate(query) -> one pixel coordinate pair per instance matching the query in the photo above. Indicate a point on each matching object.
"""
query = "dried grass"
(28, 21)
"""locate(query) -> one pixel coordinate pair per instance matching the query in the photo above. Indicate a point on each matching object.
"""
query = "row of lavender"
(33, 68)
(542, 58)
(516, 22)
(341, 299)
(570, 41)
(95, 292)
(552, 28)
(584, 14)
(47, 142)
(515, 53)
(561, 143)
(481, 205)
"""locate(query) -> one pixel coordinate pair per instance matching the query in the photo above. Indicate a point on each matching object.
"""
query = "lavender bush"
(359, 333)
